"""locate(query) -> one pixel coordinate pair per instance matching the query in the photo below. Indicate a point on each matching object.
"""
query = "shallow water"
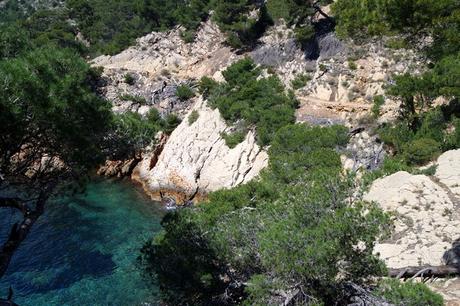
(84, 249)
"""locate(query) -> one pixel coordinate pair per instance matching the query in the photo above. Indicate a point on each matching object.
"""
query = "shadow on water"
(84, 249)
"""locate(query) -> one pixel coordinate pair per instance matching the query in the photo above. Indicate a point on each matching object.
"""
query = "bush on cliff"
(247, 97)
(421, 131)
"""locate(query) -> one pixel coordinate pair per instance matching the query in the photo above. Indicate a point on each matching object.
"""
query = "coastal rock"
(117, 168)
(343, 77)
(426, 212)
(195, 160)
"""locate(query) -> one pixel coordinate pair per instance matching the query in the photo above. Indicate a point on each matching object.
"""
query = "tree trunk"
(428, 271)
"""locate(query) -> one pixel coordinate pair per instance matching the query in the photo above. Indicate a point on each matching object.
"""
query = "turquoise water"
(84, 249)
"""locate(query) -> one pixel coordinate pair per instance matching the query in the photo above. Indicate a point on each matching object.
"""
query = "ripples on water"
(84, 249)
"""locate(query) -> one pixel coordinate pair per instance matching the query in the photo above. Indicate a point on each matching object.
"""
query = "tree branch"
(428, 271)
(320, 11)
(14, 203)
(20, 231)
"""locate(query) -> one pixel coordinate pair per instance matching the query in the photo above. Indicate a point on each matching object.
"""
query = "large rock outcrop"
(426, 212)
(196, 160)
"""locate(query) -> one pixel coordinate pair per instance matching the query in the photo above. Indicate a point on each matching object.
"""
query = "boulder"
(426, 214)
(195, 160)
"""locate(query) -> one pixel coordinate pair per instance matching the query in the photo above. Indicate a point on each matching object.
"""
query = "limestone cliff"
(196, 160)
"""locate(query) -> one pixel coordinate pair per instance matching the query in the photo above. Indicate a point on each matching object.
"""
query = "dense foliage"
(130, 132)
(55, 126)
(47, 102)
(408, 293)
(110, 26)
(251, 100)
(297, 228)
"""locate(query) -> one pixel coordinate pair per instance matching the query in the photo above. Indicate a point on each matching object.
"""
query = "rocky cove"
(282, 153)
(194, 160)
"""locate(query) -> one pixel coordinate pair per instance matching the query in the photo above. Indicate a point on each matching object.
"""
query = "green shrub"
(194, 115)
(184, 92)
(378, 102)
(187, 36)
(408, 293)
(304, 34)
(206, 86)
(132, 132)
(233, 139)
(129, 79)
(389, 166)
(397, 135)
(170, 123)
(352, 65)
(432, 125)
(275, 231)
(453, 139)
(248, 98)
(234, 41)
(396, 43)
(421, 151)
(300, 81)
(136, 99)
(278, 9)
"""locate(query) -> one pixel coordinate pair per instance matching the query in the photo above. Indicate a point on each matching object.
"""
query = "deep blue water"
(84, 249)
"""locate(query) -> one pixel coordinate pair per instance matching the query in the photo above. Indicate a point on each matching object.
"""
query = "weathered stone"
(448, 171)
(196, 160)
(426, 214)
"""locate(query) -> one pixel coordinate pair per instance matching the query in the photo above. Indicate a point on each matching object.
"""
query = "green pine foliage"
(408, 293)
(49, 92)
(234, 138)
(300, 81)
(184, 92)
(259, 102)
(378, 103)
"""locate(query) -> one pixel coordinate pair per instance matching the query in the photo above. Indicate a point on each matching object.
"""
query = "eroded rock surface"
(363, 152)
(196, 160)
(426, 211)
(448, 171)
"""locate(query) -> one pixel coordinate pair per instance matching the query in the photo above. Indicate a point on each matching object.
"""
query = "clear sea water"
(84, 250)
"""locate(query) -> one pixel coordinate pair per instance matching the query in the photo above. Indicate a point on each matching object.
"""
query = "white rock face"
(448, 171)
(426, 213)
(196, 160)
(166, 52)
